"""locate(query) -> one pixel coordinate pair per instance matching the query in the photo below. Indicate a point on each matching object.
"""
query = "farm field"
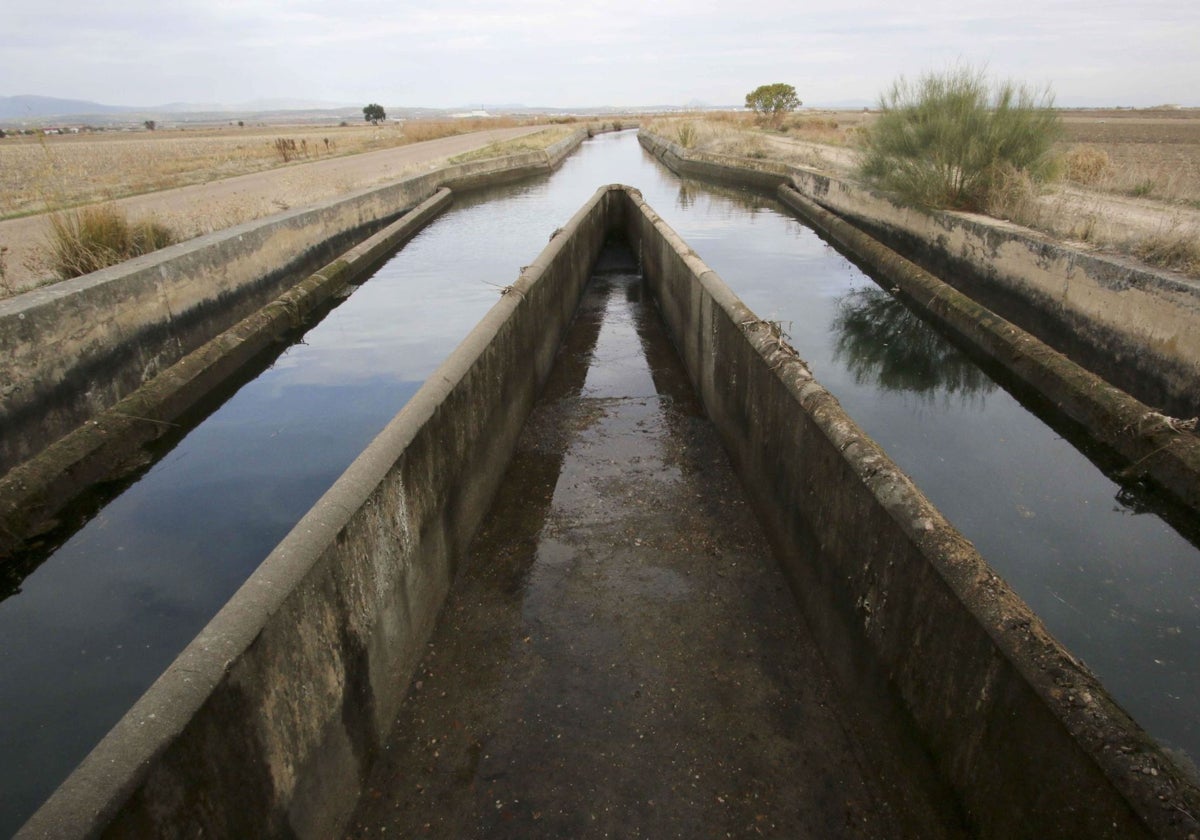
(214, 198)
(41, 173)
(1142, 198)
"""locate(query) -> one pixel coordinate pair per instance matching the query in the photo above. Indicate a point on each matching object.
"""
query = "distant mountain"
(31, 107)
(255, 107)
(27, 107)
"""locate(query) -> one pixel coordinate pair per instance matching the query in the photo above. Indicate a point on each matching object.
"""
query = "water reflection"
(881, 342)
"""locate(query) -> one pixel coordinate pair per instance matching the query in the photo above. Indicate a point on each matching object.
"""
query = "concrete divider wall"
(72, 349)
(33, 493)
(1171, 457)
(1029, 741)
(266, 724)
(1134, 326)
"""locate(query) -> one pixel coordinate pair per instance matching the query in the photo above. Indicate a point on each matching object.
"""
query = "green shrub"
(91, 238)
(945, 140)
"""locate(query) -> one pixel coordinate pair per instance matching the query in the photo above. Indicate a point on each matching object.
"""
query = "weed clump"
(685, 134)
(944, 141)
(1179, 250)
(88, 239)
(1086, 164)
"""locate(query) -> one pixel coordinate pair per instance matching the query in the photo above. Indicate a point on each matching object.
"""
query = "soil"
(202, 208)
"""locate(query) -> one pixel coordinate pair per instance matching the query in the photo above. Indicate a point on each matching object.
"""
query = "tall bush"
(950, 139)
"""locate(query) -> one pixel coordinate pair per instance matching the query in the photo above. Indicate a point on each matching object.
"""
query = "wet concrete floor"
(620, 655)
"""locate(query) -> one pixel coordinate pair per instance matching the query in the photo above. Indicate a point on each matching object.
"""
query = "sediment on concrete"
(266, 724)
(75, 348)
(900, 602)
(268, 721)
(1132, 325)
(1154, 448)
(33, 493)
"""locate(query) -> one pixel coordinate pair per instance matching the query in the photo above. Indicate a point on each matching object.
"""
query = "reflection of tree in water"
(691, 191)
(881, 341)
(687, 195)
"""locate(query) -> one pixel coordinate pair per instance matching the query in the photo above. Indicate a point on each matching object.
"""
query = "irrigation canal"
(96, 621)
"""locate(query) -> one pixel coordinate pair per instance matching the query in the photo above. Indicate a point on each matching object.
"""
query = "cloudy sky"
(572, 53)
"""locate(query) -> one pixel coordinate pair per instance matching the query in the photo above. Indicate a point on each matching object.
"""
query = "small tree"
(773, 101)
(374, 113)
(150, 125)
(952, 138)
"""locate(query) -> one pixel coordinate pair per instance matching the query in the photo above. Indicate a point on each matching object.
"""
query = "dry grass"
(88, 239)
(1176, 249)
(1086, 164)
(799, 140)
(48, 173)
(537, 142)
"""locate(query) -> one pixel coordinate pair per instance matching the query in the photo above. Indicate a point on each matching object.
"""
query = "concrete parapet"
(1134, 326)
(267, 722)
(901, 603)
(75, 348)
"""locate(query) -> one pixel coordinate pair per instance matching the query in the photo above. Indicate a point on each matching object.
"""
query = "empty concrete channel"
(769, 288)
(621, 655)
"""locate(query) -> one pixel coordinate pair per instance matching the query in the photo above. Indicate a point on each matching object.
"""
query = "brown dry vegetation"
(49, 173)
(538, 142)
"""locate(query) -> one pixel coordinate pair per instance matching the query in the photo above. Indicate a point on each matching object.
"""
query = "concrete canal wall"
(1146, 438)
(267, 722)
(33, 493)
(75, 348)
(900, 602)
(1133, 326)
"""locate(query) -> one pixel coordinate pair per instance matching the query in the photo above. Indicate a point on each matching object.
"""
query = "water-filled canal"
(102, 616)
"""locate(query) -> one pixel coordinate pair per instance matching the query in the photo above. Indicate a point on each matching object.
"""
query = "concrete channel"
(271, 720)
(1116, 328)
(93, 368)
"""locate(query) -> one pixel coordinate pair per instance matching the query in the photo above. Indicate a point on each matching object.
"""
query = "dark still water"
(96, 623)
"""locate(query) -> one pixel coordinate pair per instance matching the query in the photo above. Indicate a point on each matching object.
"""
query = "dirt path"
(202, 208)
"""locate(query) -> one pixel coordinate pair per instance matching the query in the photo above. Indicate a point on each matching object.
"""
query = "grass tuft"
(88, 239)
(1179, 250)
(685, 134)
(1086, 164)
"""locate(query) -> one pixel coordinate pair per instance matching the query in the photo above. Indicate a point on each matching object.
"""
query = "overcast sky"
(572, 53)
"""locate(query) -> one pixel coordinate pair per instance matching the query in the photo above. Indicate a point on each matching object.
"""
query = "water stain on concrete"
(620, 655)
